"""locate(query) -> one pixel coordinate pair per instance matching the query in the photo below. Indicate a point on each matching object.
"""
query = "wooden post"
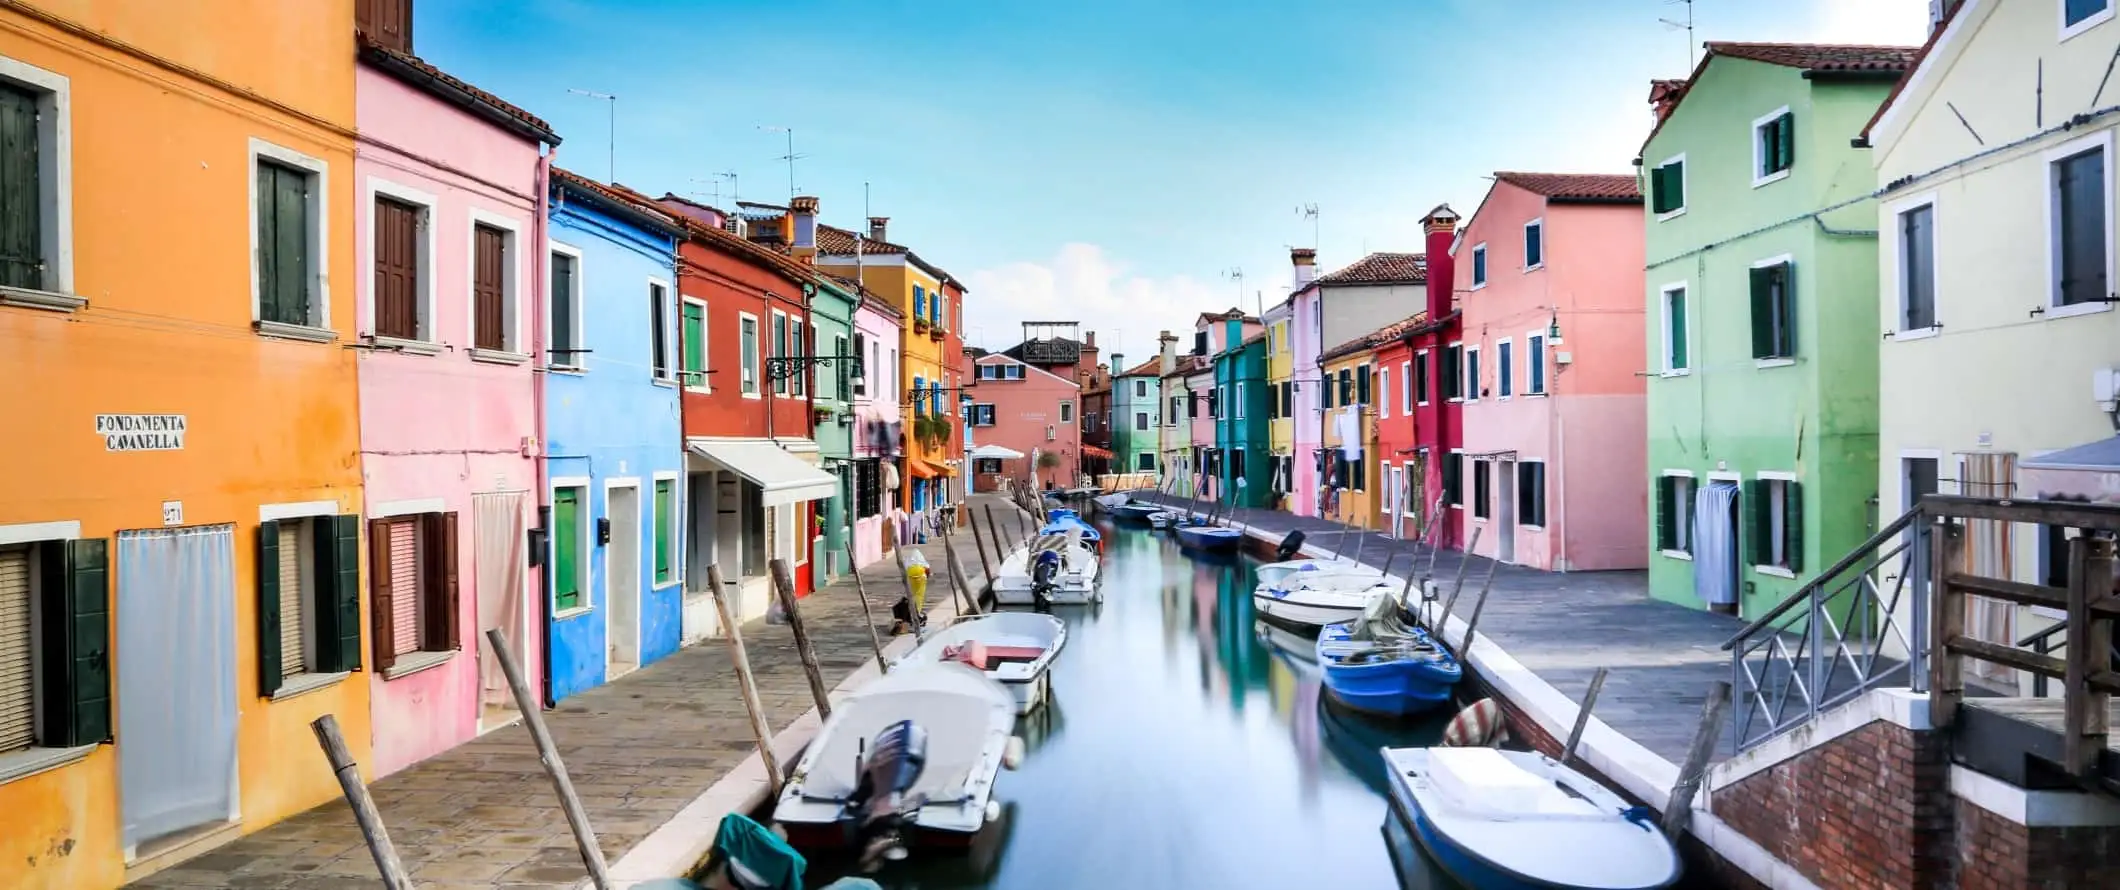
(1678, 808)
(868, 618)
(979, 544)
(2090, 654)
(1420, 609)
(1582, 716)
(993, 532)
(1472, 623)
(959, 584)
(746, 685)
(364, 813)
(548, 754)
(1464, 562)
(913, 607)
(784, 587)
(1947, 618)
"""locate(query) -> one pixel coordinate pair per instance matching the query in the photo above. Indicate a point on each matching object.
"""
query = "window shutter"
(291, 237)
(488, 271)
(269, 619)
(441, 630)
(1759, 518)
(77, 621)
(1675, 304)
(562, 347)
(21, 231)
(338, 542)
(1785, 141)
(1675, 174)
(1793, 518)
(382, 600)
(1361, 386)
(1666, 513)
(1785, 276)
(18, 719)
(1762, 312)
(396, 269)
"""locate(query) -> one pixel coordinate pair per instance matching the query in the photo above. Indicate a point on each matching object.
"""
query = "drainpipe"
(540, 228)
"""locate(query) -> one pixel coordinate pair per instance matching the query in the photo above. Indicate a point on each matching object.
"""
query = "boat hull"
(1398, 687)
(1304, 616)
(1209, 538)
(1133, 512)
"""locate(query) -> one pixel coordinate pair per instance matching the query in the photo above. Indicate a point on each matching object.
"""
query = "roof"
(882, 307)
(995, 358)
(637, 212)
(1380, 268)
(835, 241)
(1259, 337)
(415, 72)
(1811, 57)
(1377, 337)
(1187, 364)
(730, 242)
(1936, 35)
(1586, 188)
(1231, 314)
(1147, 368)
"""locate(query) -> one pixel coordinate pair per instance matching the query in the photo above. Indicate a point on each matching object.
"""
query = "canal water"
(1187, 745)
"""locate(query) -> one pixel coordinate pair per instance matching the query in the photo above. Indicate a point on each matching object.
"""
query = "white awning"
(785, 478)
(1000, 452)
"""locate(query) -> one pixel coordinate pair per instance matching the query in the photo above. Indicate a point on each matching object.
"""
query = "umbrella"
(996, 452)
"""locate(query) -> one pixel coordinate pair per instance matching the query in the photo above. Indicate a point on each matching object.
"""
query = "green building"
(1137, 415)
(832, 306)
(1243, 455)
(1762, 317)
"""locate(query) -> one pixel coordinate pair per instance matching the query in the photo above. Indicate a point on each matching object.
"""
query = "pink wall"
(1590, 428)
(878, 405)
(1023, 410)
(437, 428)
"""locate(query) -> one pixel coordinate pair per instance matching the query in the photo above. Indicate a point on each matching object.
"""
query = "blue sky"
(1101, 160)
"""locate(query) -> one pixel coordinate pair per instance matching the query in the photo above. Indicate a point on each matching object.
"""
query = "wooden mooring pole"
(548, 754)
(1582, 716)
(868, 617)
(1464, 561)
(364, 812)
(746, 685)
(979, 544)
(784, 587)
(1678, 809)
(1472, 622)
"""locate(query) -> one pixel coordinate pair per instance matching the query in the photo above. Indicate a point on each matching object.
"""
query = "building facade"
(1180, 412)
(1281, 405)
(1408, 506)
(1554, 256)
(878, 430)
(1029, 410)
(1762, 421)
(1243, 461)
(1326, 311)
(1137, 415)
(832, 304)
(1348, 451)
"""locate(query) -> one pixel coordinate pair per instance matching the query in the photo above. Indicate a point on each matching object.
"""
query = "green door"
(566, 549)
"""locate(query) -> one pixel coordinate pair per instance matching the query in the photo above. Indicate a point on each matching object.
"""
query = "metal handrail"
(1882, 537)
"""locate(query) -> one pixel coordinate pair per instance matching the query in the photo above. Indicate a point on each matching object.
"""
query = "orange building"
(179, 534)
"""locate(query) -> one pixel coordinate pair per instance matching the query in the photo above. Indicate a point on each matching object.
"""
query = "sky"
(1127, 164)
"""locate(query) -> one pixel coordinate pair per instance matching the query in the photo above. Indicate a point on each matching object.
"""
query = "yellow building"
(1350, 420)
(180, 289)
(1280, 397)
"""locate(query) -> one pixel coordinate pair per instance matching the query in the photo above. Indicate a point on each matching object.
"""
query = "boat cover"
(954, 703)
(757, 858)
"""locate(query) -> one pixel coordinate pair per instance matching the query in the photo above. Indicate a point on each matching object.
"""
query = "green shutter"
(1759, 519)
(566, 549)
(695, 345)
(291, 234)
(76, 602)
(1666, 515)
(1793, 518)
(339, 566)
(21, 191)
(1361, 385)
(1785, 275)
(1676, 174)
(1677, 322)
(1785, 141)
(1762, 312)
(665, 517)
(268, 576)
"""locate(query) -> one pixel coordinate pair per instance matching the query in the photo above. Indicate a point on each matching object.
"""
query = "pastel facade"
(1181, 410)
(614, 429)
(1030, 410)
(1549, 265)
(1326, 311)
(1136, 416)
(202, 415)
(1243, 464)
(877, 427)
(1348, 479)
(1280, 399)
(832, 413)
(1407, 505)
(1762, 413)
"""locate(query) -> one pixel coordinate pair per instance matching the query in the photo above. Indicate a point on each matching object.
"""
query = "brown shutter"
(440, 624)
(489, 271)
(387, 22)
(397, 260)
(383, 604)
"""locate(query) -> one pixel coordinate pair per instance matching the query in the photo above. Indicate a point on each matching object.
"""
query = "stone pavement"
(1661, 658)
(639, 748)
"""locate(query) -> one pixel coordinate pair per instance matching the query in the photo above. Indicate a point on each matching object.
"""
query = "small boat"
(1137, 512)
(1106, 502)
(1504, 820)
(1162, 519)
(1062, 519)
(1201, 536)
(1074, 583)
(909, 760)
(1014, 649)
(1378, 666)
(1273, 573)
(1315, 598)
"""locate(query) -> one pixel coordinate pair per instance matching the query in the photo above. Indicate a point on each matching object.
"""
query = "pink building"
(1026, 409)
(1198, 386)
(876, 426)
(449, 223)
(1550, 273)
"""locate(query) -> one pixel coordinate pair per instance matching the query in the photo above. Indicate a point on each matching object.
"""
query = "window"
(987, 465)
(1773, 310)
(1383, 391)
(920, 310)
(1176, 409)
(1420, 377)
(1240, 400)
(569, 548)
(1406, 389)
(920, 402)
(659, 329)
(777, 347)
(693, 339)
(1361, 385)
(1505, 368)
(1452, 372)
(1777, 524)
(1674, 514)
(1676, 360)
(2078, 16)
(1140, 420)
(747, 329)
(1144, 463)
(289, 240)
(1479, 265)
(1214, 402)
(842, 369)
(1773, 147)
(982, 414)
(1534, 244)
(2082, 252)
(1346, 387)
(1531, 493)
(1013, 372)
(665, 530)
(863, 360)
(387, 22)
(36, 170)
(1917, 268)
(1288, 398)
(54, 597)
(798, 345)
(565, 304)
(868, 480)
(492, 288)
(1535, 364)
(1667, 188)
(1453, 479)
(935, 309)
(401, 267)
(309, 599)
(1472, 373)
(1482, 486)
(412, 585)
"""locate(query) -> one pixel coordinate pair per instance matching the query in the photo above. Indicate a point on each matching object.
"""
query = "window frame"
(1663, 307)
(2100, 141)
(1479, 266)
(420, 512)
(55, 190)
(1539, 498)
(1471, 372)
(316, 597)
(1537, 224)
(1451, 476)
(1482, 488)
(427, 341)
(318, 328)
(1536, 376)
(677, 528)
(1504, 370)
(586, 542)
(1406, 388)
(1420, 383)
(40, 757)
(1768, 488)
(1457, 370)
(1759, 156)
(1684, 529)
(512, 339)
(776, 347)
(2090, 21)
(1790, 298)
(574, 361)
(750, 382)
(671, 321)
(706, 345)
(1685, 187)
(1896, 270)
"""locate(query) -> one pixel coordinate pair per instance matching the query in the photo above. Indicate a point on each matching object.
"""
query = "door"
(499, 526)
(176, 670)
(1505, 510)
(1715, 546)
(622, 581)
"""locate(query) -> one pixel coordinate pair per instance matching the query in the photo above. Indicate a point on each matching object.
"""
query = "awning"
(785, 478)
(922, 469)
(996, 452)
(2084, 473)
(1094, 451)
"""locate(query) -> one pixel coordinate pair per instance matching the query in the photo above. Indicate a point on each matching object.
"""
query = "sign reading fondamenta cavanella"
(141, 432)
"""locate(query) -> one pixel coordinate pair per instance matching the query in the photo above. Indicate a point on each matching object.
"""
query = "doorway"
(622, 580)
(499, 541)
(1505, 511)
(1715, 556)
(176, 708)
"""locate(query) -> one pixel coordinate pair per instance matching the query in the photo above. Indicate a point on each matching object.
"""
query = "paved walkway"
(1661, 657)
(639, 748)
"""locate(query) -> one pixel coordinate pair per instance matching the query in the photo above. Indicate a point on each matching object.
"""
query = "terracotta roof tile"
(628, 199)
(1143, 369)
(1188, 364)
(416, 72)
(1820, 56)
(1618, 188)
(1381, 268)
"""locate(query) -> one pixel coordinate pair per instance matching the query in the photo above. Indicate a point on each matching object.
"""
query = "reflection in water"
(1165, 771)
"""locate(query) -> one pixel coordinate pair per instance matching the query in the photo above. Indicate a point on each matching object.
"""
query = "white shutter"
(405, 593)
(18, 728)
(292, 652)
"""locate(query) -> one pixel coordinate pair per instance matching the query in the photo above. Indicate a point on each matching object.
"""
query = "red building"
(1398, 439)
(1432, 346)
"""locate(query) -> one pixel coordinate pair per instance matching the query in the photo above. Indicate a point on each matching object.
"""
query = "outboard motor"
(881, 801)
(1290, 547)
(1045, 575)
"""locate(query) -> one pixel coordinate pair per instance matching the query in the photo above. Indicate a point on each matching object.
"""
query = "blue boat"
(1198, 535)
(1137, 512)
(1060, 521)
(1377, 666)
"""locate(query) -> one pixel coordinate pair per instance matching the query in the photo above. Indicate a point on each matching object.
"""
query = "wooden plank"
(868, 617)
(1946, 623)
(1998, 653)
(2101, 517)
(2090, 650)
(2026, 594)
(1678, 807)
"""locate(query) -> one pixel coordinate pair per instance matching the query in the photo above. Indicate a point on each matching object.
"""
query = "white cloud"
(1887, 22)
(1082, 283)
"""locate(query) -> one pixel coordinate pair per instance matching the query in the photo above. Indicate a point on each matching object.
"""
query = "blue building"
(613, 451)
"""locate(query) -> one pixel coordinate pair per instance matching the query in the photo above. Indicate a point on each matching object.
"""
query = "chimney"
(1089, 341)
(803, 246)
(877, 225)
(1306, 263)
(1167, 352)
(1118, 365)
(1663, 96)
(1441, 226)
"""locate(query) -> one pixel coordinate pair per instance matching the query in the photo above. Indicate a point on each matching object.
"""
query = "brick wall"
(1997, 854)
(1887, 824)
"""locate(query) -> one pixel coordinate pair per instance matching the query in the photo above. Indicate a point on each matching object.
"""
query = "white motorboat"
(1518, 819)
(1273, 573)
(1162, 519)
(1015, 649)
(1074, 584)
(1115, 499)
(908, 760)
(1311, 599)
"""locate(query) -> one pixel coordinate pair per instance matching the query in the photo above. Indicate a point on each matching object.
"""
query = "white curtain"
(499, 532)
(1715, 544)
(176, 665)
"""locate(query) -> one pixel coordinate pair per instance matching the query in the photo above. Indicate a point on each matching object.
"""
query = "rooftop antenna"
(791, 157)
(1236, 274)
(735, 193)
(611, 147)
(1310, 212)
(1686, 26)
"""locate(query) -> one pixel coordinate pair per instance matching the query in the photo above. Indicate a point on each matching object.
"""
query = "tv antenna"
(1236, 274)
(791, 157)
(611, 147)
(1310, 212)
(1686, 26)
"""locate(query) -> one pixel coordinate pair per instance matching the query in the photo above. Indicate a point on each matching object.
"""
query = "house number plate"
(172, 512)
